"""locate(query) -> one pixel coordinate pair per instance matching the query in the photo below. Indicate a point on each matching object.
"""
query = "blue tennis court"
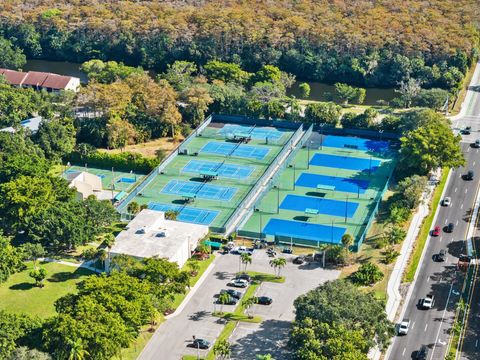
(243, 151)
(340, 183)
(324, 206)
(357, 143)
(344, 162)
(187, 214)
(258, 133)
(127, 180)
(304, 230)
(201, 190)
(225, 170)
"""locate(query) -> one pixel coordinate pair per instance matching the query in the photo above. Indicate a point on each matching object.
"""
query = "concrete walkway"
(83, 264)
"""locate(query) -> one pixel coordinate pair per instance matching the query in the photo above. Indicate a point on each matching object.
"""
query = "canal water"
(319, 91)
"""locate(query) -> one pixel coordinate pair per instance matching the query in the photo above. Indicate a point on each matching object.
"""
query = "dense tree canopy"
(367, 43)
(338, 308)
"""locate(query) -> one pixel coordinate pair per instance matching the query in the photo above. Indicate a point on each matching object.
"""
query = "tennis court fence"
(265, 180)
(154, 173)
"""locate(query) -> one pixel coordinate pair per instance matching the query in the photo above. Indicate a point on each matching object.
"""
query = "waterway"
(319, 91)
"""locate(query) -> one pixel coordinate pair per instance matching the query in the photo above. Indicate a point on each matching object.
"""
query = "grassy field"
(18, 294)
(425, 230)
(148, 149)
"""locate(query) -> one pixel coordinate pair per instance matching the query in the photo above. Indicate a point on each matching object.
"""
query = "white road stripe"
(443, 316)
(466, 191)
(456, 223)
(440, 239)
(446, 221)
(426, 326)
(403, 352)
(413, 324)
(456, 188)
(476, 342)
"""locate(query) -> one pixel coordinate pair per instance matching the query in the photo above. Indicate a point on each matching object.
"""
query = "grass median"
(425, 229)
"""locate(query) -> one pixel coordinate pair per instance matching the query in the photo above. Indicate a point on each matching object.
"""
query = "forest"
(364, 43)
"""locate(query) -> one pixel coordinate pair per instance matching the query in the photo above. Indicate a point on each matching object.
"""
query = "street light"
(278, 197)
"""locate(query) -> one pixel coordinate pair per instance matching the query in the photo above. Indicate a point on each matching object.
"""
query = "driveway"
(171, 339)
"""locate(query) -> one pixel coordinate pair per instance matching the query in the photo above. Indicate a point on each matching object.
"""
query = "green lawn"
(425, 230)
(18, 294)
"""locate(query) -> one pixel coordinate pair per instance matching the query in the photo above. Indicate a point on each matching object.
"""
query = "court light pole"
(294, 176)
(321, 135)
(358, 191)
(278, 197)
(346, 209)
(370, 167)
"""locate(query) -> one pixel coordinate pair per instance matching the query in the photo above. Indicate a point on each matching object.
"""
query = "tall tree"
(11, 57)
(11, 259)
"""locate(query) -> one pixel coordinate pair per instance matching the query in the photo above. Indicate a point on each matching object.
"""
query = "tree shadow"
(199, 315)
(222, 275)
(271, 337)
(22, 286)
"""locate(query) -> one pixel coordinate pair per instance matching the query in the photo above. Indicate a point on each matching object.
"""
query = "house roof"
(36, 78)
(13, 77)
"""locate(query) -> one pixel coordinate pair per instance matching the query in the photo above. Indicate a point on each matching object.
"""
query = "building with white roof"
(149, 234)
(85, 184)
(31, 125)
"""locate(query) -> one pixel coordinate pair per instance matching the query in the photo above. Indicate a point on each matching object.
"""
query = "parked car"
(287, 250)
(271, 252)
(240, 283)
(422, 354)
(447, 201)
(242, 250)
(231, 301)
(299, 260)
(403, 327)
(200, 344)
(263, 300)
(233, 293)
(441, 256)
(244, 276)
(436, 231)
(449, 228)
(427, 302)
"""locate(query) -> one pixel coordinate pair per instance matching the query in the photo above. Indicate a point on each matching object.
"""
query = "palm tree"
(77, 350)
(223, 299)
(347, 241)
(247, 303)
(222, 348)
(245, 259)
(194, 267)
(278, 264)
(102, 257)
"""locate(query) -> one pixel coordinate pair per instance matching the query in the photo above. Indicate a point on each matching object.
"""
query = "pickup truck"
(427, 302)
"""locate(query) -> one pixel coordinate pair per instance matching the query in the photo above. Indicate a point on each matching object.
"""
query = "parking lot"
(173, 336)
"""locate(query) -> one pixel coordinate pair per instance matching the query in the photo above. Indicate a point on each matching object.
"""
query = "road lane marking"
(466, 191)
(403, 352)
(461, 206)
(476, 342)
(456, 188)
(456, 223)
(426, 326)
(441, 321)
(446, 221)
(413, 324)
(428, 279)
(440, 239)
(474, 162)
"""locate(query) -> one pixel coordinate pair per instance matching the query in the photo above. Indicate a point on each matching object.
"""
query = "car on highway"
(239, 283)
(233, 293)
(447, 201)
(469, 175)
(403, 327)
(422, 354)
(436, 231)
(441, 256)
(449, 228)
(427, 302)
(263, 300)
(476, 144)
(199, 344)
(299, 260)
(231, 301)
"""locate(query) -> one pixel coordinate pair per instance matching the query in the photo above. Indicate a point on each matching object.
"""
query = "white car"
(427, 302)
(447, 201)
(403, 327)
(240, 283)
(241, 250)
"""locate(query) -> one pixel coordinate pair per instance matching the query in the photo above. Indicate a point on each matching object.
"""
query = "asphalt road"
(431, 327)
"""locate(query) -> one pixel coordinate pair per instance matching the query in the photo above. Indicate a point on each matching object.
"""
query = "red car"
(436, 231)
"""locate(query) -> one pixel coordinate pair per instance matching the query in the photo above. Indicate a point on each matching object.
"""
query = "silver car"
(447, 201)
(403, 327)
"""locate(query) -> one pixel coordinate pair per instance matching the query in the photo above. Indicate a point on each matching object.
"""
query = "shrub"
(390, 254)
(367, 274)
(125, 161)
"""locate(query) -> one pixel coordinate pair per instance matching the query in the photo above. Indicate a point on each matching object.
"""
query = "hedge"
(124, 161)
